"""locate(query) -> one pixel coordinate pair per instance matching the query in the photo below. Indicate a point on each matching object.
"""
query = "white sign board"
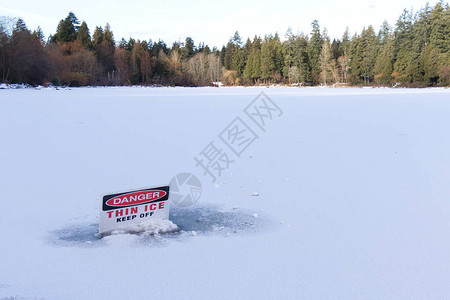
(125, 210)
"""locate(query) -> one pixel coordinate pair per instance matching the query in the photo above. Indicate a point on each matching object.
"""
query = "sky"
(211, 22)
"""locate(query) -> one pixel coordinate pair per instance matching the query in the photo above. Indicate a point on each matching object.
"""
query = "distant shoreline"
(13, 86)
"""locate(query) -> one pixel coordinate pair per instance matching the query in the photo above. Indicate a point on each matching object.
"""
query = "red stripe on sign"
(136, 198)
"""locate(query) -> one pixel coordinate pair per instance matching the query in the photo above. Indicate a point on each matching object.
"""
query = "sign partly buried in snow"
(125, 210)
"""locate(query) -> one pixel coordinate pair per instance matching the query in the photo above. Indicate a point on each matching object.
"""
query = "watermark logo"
(262, 111)
(237, 136)
(220, 153)
(185, 189)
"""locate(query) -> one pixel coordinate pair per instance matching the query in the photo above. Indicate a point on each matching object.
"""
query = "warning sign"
(123, 210)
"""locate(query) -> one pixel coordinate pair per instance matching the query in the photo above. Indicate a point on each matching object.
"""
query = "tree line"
(414, 52)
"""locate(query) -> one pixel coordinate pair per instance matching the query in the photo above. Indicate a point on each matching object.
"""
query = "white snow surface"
(353, 189)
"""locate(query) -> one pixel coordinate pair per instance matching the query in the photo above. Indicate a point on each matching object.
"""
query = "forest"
(414, 52)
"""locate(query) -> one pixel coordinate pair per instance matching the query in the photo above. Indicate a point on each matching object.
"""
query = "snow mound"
(132, 234)
(149, 227)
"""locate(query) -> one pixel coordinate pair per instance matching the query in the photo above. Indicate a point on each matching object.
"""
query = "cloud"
(24, 14)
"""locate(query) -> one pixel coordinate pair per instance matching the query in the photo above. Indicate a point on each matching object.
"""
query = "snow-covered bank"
(345, 195)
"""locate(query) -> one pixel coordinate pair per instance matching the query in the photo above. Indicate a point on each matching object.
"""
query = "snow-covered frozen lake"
(343, 195)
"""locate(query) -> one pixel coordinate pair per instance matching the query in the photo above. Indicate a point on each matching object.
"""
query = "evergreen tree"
(288, 54)
(84, 37)
(20, 26)
(355, 58)
(253, 67)
(108, 35)
(235, 58)
(222, 55)
(369, 52)
(301, 58)
(277, 54)
(128, 45)
(187, 51)
(158, 47)
(200, 47)
(345, 43)
(245, 54)
(336, 48)
(343, 61)
(236, 40)
(228, 56)
(73, 20)
(420, 33)
(67, 29)
(401, 66)
(135, 73)
(206, 49)
(104, 46)
(39, 35)
(314, 49)
(363, 55)
(403, 30)
(327, 63)
(238, 61)
(403, 47)
(384, 33)
(432, 61)
(440, 28)
(384, 63)
(267, 61)
(295, 52)
(97, 37)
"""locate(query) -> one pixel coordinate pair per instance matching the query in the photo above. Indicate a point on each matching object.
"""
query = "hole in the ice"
(191, 222)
